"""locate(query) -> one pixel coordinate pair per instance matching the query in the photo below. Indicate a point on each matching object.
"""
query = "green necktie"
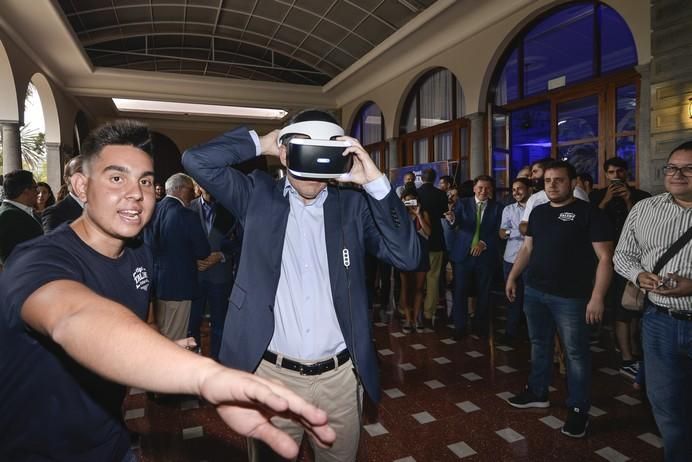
(477, 232)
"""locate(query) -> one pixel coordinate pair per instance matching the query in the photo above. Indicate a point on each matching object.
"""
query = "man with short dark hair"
(433, 201)
(616, 200)
(651, 228)
(470, 232)
(71, 329)
(445, 183)
(18, 222)
(560, 293)
(68, 209)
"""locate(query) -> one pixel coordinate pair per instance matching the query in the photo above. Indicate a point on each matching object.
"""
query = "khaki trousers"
(432, 284)
(335, 392)
(173, 317)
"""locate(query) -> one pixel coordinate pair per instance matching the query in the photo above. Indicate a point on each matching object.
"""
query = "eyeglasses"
(672, 170)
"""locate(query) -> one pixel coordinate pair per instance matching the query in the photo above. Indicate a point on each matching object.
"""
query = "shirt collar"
(81, 204)
(21, 206)
(480, 202)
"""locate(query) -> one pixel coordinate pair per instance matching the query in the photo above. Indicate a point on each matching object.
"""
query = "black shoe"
(527, 399)
(577, 423)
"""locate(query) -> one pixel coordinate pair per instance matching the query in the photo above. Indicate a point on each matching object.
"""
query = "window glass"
(507, 86)
(617, 45)
(436, 99)
(560, 45)
(372, 124)
(626, 147)
(443, 146)
(529, 136)
(583, 156)
(577, 119)
(626, 112)
(420, 151)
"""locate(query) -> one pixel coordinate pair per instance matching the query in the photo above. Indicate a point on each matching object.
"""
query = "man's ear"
(79, 183)
(282, 154)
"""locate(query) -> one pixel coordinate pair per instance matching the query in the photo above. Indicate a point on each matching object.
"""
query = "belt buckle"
(301, 369)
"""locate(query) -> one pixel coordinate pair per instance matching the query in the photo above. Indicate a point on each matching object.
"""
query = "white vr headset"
(319, 156)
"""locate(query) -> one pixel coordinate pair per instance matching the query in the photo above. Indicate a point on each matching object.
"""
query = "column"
(477, 152)
(54, 166)
(11, 148)
(644, 141)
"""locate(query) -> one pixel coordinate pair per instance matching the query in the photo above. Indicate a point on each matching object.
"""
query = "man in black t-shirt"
(558, 251)
(71, 329)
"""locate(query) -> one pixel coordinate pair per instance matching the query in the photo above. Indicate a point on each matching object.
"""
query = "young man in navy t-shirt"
(566, 240)
(71, 329)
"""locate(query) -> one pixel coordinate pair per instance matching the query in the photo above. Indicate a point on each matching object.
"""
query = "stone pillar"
(54, 166)
(646, 175)
(11, 148)
(478, 148)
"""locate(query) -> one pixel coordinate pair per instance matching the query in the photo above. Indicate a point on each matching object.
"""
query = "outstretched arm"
(110, 340)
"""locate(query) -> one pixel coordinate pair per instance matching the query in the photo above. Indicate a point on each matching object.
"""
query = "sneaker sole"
(572, 435)
(534, 404)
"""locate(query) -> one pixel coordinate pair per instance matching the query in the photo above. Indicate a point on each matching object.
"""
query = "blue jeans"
(545, 312)
(216, 295)
(667, 346)
(514, 308)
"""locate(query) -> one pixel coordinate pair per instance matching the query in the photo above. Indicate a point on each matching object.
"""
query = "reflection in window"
(529, 136)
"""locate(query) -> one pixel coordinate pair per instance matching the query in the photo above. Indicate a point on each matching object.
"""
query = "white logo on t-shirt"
(141, 278)
(567, 216)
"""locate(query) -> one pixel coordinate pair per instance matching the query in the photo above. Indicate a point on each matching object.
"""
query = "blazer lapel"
(278, 220)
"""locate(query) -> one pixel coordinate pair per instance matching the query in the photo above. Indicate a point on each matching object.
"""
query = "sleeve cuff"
(378, 188)
(255, 139)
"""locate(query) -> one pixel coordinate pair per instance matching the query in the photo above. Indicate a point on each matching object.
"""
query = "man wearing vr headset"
(298, 309)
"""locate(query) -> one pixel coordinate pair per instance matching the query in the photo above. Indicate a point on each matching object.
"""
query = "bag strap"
(672, 250)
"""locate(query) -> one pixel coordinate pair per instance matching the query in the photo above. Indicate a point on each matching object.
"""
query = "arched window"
(432, 127)
(566, 88)
(368, 128)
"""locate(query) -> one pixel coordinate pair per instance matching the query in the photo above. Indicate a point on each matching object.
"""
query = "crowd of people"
(108, 287)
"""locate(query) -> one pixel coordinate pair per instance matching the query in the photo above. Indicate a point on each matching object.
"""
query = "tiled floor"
(442, 401)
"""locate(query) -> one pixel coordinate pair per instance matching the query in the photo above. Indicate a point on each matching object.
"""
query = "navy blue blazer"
(177, 240)
(381, 228)
(65, 211)
(458, 237)
(222, 237)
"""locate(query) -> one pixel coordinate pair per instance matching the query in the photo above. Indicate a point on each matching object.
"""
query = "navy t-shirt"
(52, 408)
(563, 261)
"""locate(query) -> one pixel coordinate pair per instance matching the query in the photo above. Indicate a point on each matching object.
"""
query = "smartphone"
(411, 203)
(616, 181)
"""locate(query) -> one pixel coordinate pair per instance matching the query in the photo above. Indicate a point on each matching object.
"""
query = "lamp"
(689, 108)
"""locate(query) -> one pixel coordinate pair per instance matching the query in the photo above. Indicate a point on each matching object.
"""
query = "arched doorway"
(53, 161)
(9, 115)
(368, 128)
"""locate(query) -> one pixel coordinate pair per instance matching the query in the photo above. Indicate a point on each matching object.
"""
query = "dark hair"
(585, 177)
(448, 179)
(119, 133)
(428, 175)
(308, 115)
(686, 146)
(409, 190)
(615, 162)
(16, 182)
(465, 189)
(51, 199)
(525, 181)
(561, 164)
(541, 162)
(484, 178)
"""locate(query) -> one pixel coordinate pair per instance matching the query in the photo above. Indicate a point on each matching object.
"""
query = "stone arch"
(51, 120)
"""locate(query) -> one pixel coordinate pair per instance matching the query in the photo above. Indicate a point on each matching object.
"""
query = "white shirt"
(511, 217)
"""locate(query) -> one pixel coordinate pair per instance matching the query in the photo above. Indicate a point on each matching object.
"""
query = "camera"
(411, 203)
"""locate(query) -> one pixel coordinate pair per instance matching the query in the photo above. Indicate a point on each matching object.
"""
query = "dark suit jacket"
(434, 202)
(177, 241)
(381, 228)
(65, 211)
(459, 236)
(16, 226)
(221, 239)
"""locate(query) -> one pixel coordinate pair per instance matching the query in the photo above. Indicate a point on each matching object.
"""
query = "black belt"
(681, 315)
(308, 369)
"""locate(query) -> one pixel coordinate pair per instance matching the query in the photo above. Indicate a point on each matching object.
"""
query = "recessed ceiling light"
(170, 107)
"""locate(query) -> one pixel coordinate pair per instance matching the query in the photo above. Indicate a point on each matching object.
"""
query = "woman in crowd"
(45, 197)
(413, 282)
